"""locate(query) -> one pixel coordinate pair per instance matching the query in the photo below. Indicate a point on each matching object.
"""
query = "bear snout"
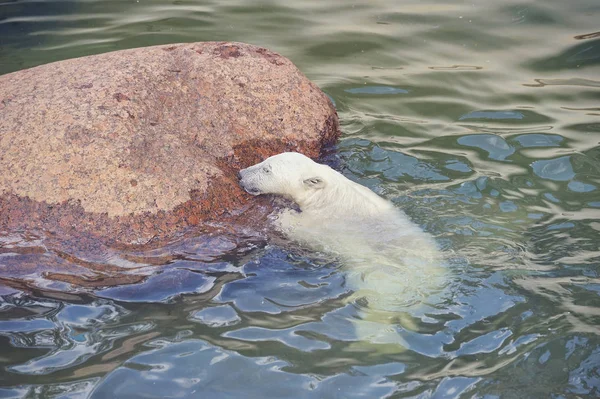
(248, 187)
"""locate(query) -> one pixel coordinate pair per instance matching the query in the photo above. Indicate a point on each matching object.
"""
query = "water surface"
(480, 119)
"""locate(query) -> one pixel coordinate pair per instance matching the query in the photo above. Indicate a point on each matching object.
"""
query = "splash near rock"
(143, 143)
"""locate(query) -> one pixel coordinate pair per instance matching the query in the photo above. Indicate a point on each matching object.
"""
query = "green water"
(481, 119)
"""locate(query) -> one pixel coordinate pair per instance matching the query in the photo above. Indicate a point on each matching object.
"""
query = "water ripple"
(465, 115)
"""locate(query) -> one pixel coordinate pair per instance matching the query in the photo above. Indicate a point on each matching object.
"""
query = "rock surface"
(141, 143)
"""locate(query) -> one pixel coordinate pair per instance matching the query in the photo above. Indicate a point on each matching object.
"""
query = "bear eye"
(266, 169)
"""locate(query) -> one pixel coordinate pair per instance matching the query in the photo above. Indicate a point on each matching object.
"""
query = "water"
(479, 119)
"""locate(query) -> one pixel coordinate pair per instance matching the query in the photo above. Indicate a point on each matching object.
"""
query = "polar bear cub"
(388, 260)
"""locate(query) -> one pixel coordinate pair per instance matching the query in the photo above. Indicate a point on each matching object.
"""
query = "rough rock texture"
(142, 143)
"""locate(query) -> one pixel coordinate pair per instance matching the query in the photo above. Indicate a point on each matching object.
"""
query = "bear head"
(289, 174)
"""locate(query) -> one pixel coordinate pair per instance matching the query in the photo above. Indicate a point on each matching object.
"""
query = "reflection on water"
(480, 120)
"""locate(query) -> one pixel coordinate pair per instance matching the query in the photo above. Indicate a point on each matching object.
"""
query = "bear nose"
(239, 175)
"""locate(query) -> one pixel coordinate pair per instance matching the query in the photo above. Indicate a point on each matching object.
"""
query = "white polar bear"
(388, 260)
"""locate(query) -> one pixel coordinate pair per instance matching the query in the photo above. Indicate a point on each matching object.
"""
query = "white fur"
(389, 260)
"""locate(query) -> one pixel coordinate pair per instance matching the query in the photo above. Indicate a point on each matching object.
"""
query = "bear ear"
(315, 182)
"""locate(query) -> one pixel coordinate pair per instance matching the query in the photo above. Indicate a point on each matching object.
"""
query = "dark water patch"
(392, 166)
(536, 376)
(531, 14)
(338, 47)
(580, 55)
(520, 116)
(446, 110)
(569, 244)
(305, 284)
(376, 90)
(493, 115)
(456, 68)
(409, 17)
(21, 18)
(506, 130)
(462, 34)
(565, 82)
(161, 287)
(270, 16)
(26, 25)
(590, 127)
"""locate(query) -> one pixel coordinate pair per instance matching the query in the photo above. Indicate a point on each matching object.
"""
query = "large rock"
(141, 143)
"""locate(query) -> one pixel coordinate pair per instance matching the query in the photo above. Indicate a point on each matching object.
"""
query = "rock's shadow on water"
(156, 271)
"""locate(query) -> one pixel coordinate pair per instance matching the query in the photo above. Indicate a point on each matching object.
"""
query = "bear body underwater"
(388, 260)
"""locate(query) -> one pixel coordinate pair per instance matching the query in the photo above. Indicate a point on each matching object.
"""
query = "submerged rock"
(141, 143)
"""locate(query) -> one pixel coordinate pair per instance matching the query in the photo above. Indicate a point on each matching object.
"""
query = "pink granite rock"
(140, 143)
